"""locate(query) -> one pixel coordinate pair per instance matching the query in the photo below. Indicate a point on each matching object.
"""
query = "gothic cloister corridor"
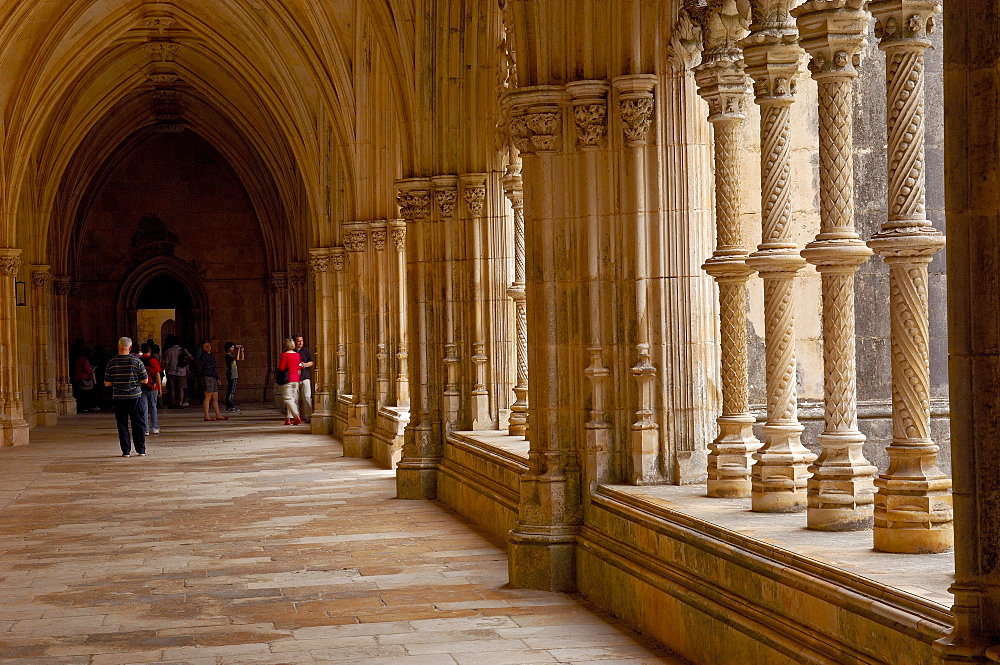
(248, 543)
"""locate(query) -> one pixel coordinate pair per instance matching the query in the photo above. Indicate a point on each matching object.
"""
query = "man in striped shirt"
(124, 374)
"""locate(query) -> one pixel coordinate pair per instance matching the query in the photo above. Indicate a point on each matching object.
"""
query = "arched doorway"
(160, 290)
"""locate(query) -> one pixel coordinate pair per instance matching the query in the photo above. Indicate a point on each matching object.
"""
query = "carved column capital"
(41, 275)
(279, 280)
(62, 285)
(590, 111)
(833, 34)
(10, 261)
(771, 54)
(474, 192)
(545, 124)
(356, 237)
(685, 42)
(397, 229)
(413, 198)
(904, 23)
(337, 259)
(319, 260)
(379, 235)
(635, 106)
(445, 200)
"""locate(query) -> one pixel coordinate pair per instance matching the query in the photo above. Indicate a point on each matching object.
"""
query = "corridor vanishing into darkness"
(248, 542)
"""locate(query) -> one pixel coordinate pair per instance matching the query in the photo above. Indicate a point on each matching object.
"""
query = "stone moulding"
(892, 621)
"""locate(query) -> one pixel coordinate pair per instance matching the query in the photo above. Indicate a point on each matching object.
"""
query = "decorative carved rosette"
(158, 23)
(446, 199)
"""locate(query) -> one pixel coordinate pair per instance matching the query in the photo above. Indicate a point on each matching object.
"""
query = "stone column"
(416, 473)
(323, 371)
(542, 550)
(338, 258)
(62, 287)
(635, 105)
(15, 428)
(514, 189)
(397, 229)
(840, 491)
(723, 84)
(590, 120)
(772, 59)
(972, 158)
(380, 244)
(358, 434)
(474, 193)
(46, 408)
(445, 201)
(913, 504)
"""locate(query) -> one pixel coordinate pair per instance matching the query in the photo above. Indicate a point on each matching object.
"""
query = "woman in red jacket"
(290, 364)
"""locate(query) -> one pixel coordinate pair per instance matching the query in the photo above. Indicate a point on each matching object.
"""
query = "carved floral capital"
(446, 199)
(474, 199)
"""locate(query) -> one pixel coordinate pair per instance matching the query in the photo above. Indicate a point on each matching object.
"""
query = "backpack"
(149, 372)
(183, 358)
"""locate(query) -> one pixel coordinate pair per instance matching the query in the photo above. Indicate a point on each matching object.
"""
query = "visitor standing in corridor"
(305, 377)
(208, 371)
(125, 375)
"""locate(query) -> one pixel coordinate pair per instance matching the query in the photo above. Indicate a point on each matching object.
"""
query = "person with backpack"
(150, 391)
(177, 359)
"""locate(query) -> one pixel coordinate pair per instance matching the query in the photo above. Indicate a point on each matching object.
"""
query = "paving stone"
(244, 544)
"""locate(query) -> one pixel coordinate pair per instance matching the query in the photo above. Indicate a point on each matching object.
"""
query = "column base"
(15, 432)
(480, 406)
(729, 460)
(46, 413)
(357, 443)
(542, 558)
(66, 406)
(645, 441)
(899, 540)
(416, 479)
(840, 519)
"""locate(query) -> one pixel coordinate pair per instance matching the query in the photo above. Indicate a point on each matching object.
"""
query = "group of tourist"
(136, 382)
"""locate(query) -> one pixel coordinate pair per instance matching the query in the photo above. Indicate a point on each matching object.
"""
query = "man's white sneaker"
(156, 431)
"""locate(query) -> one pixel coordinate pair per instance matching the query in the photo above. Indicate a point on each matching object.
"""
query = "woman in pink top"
(291, 363)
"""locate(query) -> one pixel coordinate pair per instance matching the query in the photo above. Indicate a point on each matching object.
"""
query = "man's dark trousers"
(231, 395)
(124, 410)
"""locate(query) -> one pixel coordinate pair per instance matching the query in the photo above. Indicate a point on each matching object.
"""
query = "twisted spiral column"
(913, 503)
(840, 490)
(723, 84)
(514, 189)
(778, 482)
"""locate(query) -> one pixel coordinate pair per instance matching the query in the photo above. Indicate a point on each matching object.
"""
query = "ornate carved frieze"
(319, 263)
(164, 77)
(413, 204)
(158, 23)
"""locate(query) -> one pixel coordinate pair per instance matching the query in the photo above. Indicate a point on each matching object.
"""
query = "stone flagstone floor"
(247, 542)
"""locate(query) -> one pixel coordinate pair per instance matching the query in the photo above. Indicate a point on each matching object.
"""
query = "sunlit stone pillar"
(772, 59)
(397, 230)
(46, 409)
(913, 504)
(360, 420)
(841, 491)
(338, 259)
(474, 194)
(972, 157)
(445, 202)
(62, 286)
(542, 544)
(15, 428)
(514, 189)
(416, 473)
(323, 371)
(635, 106)
(380, 274)
(723, 84)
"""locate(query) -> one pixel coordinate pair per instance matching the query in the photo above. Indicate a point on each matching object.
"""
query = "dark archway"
(166, 282)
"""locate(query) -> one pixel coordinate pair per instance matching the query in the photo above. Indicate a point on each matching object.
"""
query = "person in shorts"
(208, 371)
